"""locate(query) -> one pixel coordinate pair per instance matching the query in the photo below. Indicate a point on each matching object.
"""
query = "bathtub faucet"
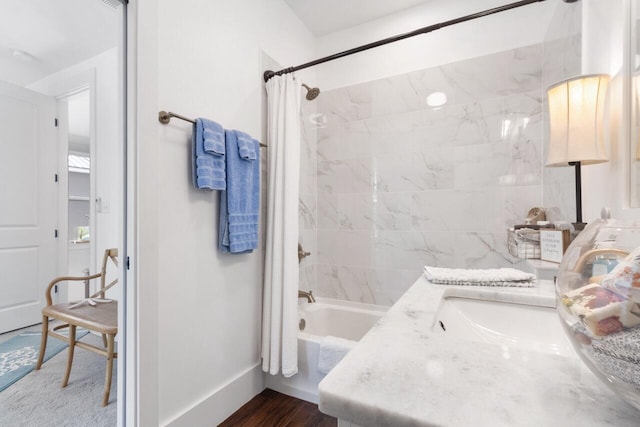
(308, 295)
(301, 253)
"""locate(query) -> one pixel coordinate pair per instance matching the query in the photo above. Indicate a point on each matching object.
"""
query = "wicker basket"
(524, 243)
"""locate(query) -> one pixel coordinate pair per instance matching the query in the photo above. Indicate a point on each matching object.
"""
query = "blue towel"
(208, 167)
(240, 203)
(246, 146)
(213, 136)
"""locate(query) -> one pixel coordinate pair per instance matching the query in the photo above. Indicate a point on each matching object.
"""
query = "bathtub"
(344, 319)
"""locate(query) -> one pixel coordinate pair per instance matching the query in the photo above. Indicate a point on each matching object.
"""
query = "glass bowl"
(598, 289)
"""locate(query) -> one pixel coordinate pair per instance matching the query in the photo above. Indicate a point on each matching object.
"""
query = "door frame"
(128, 361)
(83, 81)
(63, 196)
(60, 89)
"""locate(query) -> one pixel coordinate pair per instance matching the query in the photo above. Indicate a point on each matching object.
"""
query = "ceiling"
(327, 16)
(40, 37)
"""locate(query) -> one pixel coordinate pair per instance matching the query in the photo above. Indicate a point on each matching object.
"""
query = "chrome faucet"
(308, 295)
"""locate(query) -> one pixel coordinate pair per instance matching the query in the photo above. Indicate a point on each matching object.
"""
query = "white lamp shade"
(576, 117)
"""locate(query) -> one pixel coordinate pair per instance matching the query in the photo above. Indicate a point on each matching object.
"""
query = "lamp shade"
(576, 117)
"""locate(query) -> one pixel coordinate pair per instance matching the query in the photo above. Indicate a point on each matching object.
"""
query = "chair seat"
(102, 318)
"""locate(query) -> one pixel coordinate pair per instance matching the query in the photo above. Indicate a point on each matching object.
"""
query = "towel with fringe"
(479, 277)
(208, 155)
(240, 202)
(332, 350)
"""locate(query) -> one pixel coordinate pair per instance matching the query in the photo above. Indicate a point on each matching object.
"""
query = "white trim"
(622, 208)
(129, 395)
(630, 209)
(222, 402)
(126, 403)
(63, 194)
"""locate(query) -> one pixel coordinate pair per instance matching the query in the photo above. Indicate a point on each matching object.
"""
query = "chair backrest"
(109, 254)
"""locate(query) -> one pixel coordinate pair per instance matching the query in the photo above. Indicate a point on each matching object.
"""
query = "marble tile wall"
(400, 185)
(308, 202)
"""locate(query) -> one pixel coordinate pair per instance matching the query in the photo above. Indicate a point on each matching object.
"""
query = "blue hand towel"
(213, 137)
(208, 168)
(246, 146)
(240, 203)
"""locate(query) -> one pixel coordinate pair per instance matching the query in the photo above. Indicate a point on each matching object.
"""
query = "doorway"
(80, 192)
(62, 144)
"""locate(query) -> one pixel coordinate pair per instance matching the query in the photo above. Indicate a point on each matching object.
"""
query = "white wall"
(604, 44)
(142, 221)
(507, 30)
(199, 310)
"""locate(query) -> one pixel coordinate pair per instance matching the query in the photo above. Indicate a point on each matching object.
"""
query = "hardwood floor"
(273, 409)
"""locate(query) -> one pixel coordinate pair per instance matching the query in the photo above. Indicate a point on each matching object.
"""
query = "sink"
(493, 318)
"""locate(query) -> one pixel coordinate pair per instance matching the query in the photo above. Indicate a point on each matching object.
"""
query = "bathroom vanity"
(467, 355)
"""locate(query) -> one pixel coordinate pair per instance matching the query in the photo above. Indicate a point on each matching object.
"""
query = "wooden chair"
(98, 315)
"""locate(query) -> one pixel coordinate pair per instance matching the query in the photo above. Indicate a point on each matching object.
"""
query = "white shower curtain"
(279, 313)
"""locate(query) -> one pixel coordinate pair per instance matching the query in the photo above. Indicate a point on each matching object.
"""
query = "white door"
(28, 204)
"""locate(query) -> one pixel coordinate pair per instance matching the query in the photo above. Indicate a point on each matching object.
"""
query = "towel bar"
(164, 117)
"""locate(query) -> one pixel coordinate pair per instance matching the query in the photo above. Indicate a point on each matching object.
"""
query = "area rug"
(19, 355)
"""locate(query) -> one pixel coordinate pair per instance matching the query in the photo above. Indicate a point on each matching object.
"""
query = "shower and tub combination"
(371, 203)
(317, 320)
(323, 318)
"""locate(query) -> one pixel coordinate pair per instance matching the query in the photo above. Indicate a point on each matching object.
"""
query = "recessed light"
(436, 99)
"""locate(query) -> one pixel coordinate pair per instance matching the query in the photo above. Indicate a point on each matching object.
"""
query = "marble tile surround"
(400, 185)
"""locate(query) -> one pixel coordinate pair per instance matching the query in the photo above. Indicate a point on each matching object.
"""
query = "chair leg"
(107, 380)
(72, 346)
(104, 340)
(43, 340)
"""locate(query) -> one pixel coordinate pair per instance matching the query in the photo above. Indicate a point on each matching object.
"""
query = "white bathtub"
(344, 319)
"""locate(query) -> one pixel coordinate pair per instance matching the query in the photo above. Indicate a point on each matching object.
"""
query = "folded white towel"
(332, 350)
(479, 277)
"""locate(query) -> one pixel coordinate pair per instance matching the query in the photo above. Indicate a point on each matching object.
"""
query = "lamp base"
(579, 226)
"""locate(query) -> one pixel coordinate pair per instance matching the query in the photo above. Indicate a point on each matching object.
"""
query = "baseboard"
(223, 402)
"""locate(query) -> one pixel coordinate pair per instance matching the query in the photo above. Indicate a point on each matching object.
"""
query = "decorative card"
(553, 243)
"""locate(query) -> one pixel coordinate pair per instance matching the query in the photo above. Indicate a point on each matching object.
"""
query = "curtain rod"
(269, 73)
(164, 117)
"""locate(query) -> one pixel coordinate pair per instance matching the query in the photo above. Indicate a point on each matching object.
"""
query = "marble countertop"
(404, 374)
